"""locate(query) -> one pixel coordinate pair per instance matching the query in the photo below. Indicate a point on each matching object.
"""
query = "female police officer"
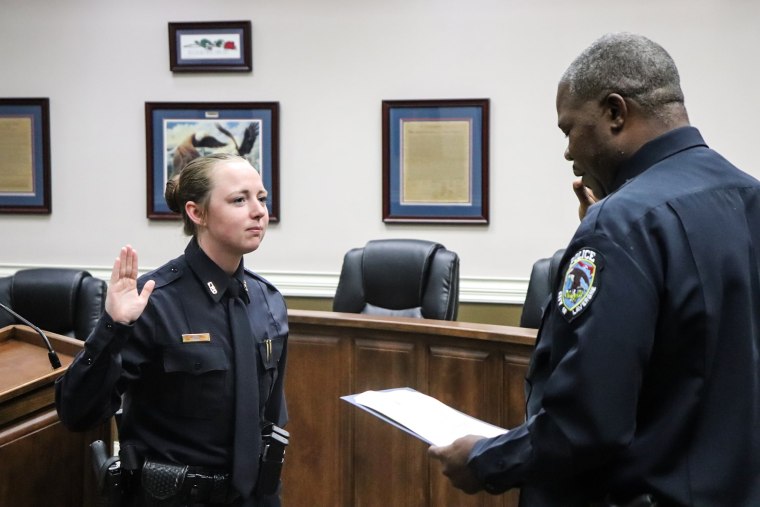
(169, 351)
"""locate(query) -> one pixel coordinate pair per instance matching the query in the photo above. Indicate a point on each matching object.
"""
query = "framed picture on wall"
(178, 132)
(435, 161)
(222, 46)
(25, 156)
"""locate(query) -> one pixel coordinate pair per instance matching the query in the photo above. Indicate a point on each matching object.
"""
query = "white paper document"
(421, 415)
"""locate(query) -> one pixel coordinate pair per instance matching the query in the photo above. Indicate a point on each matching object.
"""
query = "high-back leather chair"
(543, 281)
(60, 300)
(400, 277)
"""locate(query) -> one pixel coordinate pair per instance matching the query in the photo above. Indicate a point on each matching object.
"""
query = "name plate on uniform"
(196, 337)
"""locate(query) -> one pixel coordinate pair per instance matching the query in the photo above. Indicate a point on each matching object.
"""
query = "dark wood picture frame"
(421, 140)
(217, 46)
(25, 179)
(176, 132)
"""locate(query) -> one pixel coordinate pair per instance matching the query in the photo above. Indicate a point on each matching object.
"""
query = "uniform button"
(88, 360)
(109, 326)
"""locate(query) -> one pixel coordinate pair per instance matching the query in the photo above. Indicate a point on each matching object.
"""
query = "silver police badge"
(581, 283)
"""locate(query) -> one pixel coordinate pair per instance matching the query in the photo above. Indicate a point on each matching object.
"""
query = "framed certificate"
(435, 161)
(25, 156)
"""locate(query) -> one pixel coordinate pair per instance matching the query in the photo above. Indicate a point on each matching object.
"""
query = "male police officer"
(644, 387)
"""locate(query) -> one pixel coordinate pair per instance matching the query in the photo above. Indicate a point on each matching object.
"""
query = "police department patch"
(581, 283)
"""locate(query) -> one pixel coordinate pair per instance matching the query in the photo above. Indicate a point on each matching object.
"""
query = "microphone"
(52, 356)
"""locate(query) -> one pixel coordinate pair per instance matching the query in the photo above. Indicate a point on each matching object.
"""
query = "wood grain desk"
(41, 462)
(340, 455)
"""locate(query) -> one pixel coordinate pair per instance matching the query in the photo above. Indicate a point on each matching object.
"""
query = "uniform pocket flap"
(195, 359)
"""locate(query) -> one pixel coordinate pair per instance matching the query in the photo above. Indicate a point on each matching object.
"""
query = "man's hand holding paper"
(453, 460)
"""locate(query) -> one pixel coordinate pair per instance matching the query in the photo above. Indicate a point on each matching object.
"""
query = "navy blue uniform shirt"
(646, 373)
(172, 370)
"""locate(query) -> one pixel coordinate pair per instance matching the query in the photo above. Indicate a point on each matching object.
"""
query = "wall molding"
(489, 290)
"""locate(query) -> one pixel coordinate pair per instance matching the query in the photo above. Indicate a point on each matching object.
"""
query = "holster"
(108, 476)
(273, 442)
(162, 483)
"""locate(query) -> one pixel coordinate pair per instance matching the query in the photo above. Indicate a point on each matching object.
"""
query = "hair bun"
(170, 194)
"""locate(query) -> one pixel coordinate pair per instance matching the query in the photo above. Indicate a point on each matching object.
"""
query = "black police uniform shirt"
(174, 366)
(646, 373)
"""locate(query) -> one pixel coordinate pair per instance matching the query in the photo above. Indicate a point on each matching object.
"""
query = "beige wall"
(330, 64)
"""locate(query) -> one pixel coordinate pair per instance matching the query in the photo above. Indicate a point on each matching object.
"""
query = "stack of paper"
(421, 415)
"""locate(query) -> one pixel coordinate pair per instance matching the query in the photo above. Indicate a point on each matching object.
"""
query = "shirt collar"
(212, 277)
(657, 149)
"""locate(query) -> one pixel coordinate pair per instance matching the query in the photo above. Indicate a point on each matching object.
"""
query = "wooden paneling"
(41, 462)
(340, 455)
(377, 453)
(317, 364)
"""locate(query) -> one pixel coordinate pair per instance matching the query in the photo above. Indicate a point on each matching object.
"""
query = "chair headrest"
(543, 280)
(47, 297)
(397, 268)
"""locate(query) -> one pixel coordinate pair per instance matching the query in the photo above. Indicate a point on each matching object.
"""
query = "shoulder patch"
(580, 285)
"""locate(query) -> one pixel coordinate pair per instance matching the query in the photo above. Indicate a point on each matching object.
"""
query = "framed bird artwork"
(177, 132)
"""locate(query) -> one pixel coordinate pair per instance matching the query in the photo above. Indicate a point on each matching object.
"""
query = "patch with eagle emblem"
(581, 283)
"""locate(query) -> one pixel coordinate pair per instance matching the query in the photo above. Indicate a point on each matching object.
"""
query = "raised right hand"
(123, 303)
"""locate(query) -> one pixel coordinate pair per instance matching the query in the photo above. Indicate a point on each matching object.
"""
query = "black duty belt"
(204, 485)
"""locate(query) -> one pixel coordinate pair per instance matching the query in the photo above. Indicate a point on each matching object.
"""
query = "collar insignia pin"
(212, 287)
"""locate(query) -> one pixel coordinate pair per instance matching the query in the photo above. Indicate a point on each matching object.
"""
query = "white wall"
(330, 63)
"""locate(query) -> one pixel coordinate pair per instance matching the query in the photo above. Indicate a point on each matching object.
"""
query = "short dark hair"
(629, 64)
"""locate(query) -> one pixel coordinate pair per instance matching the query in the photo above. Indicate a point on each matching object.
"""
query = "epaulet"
(164, 275)
(261, 279)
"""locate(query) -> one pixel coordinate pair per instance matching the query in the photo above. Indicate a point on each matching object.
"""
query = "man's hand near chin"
(454, 458)
(585, 197)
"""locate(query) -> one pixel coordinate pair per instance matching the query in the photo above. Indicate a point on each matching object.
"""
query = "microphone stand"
(52, 356)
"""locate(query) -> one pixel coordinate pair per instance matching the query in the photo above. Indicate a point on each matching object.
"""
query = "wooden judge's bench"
(41, 462)
(341, 456)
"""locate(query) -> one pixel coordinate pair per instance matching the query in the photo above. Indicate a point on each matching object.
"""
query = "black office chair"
(400, 277)
(543, 281)
(60, 300)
